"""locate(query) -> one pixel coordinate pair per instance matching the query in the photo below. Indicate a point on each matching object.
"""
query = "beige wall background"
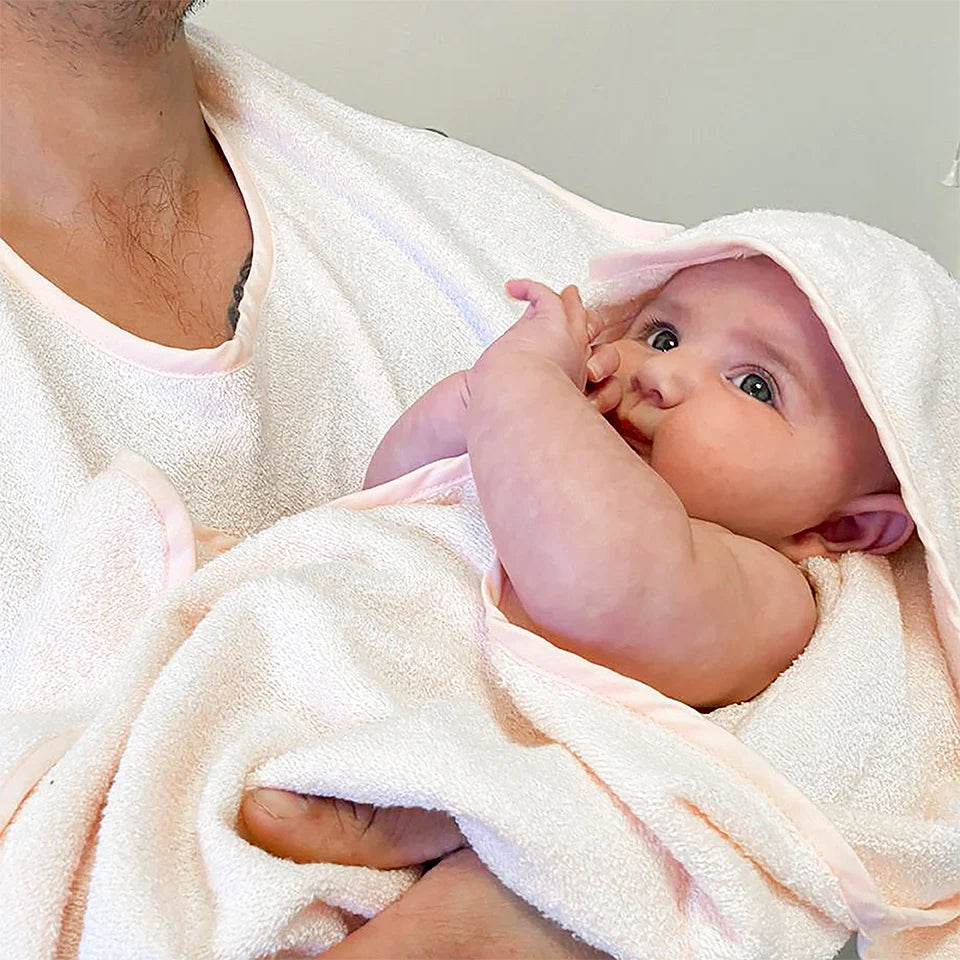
(675, 110)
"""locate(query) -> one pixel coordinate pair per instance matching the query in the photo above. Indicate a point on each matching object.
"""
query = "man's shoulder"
(474, 193)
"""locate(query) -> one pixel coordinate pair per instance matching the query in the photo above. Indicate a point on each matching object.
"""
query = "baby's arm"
(573, 510)
(598, 547)
(431, 429)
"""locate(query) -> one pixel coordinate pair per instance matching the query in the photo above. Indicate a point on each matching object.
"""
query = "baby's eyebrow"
(796, 370)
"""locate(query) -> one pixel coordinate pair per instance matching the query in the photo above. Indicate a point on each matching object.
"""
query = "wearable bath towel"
(355, 650)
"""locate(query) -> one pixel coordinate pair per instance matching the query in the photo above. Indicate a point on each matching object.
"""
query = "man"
(224, 270)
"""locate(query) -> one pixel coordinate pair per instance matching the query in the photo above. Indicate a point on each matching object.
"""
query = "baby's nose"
(663, 398)
(664, 382)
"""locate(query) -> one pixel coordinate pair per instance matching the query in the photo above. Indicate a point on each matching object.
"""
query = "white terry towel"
(355, 650)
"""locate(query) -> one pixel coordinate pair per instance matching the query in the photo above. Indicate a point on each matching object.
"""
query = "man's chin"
(192, 7)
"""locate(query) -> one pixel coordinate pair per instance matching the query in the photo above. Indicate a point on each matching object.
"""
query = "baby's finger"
(596, 325)
(607, 396)
(573, 307)
(570, 296)
(604, 362)
(527, 290)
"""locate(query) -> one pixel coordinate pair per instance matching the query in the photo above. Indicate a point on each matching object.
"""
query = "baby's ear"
(874, 523)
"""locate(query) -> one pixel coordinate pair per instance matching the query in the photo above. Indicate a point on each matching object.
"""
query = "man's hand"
(329, 830)
(457, 910)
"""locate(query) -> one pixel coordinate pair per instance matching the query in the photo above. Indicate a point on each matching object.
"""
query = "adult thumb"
(330, 830)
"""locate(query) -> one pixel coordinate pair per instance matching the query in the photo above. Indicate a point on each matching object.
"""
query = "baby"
(643, 489)
(652, 474)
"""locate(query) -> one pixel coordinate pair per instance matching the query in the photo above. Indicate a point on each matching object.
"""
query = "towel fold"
(356, 650)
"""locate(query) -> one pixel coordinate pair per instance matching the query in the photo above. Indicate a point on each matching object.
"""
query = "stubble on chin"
(108, 26)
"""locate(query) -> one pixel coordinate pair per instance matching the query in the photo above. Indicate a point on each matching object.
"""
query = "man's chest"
(171, 284)
(159, 304)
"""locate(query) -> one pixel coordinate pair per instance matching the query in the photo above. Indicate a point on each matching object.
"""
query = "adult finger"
(330, 830)
(570, 296)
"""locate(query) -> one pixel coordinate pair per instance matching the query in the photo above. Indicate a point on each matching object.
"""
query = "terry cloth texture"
(356, 650)
(380, 254)
(379, 258)
(881, 757)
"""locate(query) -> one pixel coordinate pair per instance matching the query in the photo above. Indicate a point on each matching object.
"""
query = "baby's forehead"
(754, 292)
(757, 298)
(756, 273)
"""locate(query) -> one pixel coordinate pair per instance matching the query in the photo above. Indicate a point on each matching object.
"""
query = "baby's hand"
(603, 388)
(555, 327)
(583, 326)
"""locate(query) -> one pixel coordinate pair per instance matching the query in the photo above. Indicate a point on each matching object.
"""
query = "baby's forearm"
(431, 429)
(574, 512)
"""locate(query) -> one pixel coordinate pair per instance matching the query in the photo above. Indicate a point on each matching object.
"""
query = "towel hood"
(892, 314)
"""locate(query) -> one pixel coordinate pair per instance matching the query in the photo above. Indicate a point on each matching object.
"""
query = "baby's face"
(733, 393)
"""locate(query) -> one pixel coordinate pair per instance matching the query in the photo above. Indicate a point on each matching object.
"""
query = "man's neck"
(111, 186)
(95, 135)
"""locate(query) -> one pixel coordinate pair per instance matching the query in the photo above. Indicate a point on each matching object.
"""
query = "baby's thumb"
(330, 830)
(528, 290)
(520, 290)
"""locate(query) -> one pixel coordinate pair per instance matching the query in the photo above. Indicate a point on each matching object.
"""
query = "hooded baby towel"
(356, 650)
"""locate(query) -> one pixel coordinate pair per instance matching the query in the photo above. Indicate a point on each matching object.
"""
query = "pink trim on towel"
(29, 771)
(626, 262)
(124, 345)
(179, 546)
(415, 485)
(179, 564)
(629, 229)
(863, 898)
(866, 905)
(871, 914)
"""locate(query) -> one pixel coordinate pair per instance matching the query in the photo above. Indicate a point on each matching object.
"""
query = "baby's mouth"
(632, 435)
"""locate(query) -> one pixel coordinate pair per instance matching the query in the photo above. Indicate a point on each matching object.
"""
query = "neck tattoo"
(233, 311)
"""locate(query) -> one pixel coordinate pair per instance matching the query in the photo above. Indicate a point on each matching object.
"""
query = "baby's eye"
(661, 337)
(759, 385)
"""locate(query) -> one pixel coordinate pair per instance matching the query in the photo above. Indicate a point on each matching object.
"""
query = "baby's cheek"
(702, 482)
(720, 474)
